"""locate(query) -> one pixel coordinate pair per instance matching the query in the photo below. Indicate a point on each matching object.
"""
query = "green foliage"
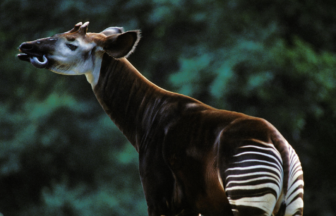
(61, 155)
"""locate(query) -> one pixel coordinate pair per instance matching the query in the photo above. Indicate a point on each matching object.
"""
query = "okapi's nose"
(26, 47)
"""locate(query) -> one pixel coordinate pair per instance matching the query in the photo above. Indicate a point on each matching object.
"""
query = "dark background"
(60, 155)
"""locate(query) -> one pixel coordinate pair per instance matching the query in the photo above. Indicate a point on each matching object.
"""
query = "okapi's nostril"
(26, 46)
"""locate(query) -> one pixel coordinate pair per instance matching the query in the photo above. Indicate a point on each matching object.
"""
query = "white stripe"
(255, 173)
(294, 170)
(246, 181)
(255, 160)
(261, 142)
(275, 151)
(258, 153)
(291, 198)
(292, 188)
(295, 176)
(255, 167)
(266, 202)
(293, 207)
(255, 187)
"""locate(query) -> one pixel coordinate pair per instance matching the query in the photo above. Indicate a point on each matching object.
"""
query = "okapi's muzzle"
(36, 52)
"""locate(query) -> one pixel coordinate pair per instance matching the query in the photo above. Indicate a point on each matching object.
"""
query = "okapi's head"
(78, 52)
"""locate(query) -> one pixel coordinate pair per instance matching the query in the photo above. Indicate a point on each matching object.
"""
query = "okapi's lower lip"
(24, 57)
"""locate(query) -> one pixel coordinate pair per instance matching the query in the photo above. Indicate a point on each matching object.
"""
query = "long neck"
(130, 100)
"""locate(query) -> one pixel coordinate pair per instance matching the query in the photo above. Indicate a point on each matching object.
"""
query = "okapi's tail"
(292, 203)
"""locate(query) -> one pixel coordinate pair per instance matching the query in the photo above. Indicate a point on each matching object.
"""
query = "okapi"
(193, 159)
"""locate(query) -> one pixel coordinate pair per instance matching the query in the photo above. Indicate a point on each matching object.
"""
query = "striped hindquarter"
(294, 196)
(254, 179)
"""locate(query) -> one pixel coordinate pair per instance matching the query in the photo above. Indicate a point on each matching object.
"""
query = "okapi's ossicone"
(194, 159)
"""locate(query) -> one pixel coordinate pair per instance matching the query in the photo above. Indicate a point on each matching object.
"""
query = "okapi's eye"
(71, 46)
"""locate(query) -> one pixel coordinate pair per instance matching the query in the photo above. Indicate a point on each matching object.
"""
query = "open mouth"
(38, 60)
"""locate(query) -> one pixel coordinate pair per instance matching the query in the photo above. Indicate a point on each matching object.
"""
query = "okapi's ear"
(113, 30)
(121, 45)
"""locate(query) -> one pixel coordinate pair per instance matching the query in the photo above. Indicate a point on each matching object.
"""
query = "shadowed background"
(60, 155)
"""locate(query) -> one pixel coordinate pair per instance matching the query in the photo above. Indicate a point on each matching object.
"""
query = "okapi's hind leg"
(252, 175)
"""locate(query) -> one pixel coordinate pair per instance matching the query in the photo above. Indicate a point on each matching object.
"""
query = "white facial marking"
(77, 57)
